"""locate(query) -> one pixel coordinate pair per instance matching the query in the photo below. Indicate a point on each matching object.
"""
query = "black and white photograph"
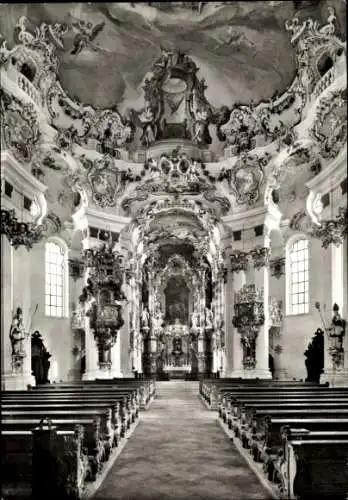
(174, 282)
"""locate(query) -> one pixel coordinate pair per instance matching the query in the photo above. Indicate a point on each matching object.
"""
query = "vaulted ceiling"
(241, 48)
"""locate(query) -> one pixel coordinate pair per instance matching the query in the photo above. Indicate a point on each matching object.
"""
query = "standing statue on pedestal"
(337, 332)
(17, 334)
(208, 318)
(145, 317)
(158, 319)
(195, 320)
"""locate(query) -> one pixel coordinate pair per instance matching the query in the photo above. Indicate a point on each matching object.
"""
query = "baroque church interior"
(174, 250)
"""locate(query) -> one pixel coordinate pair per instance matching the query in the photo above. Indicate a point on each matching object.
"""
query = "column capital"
(239, 261)
(260, 256)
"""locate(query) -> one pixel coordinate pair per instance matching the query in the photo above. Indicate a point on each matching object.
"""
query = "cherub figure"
(86, 34)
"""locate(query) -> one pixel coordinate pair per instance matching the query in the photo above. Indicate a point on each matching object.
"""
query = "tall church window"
(55, 283)
(298, 277)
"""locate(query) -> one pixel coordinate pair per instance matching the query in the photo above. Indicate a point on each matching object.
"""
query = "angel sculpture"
(146, 119)
(86, 34)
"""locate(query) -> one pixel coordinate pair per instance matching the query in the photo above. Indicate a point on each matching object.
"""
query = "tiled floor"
(178, 451)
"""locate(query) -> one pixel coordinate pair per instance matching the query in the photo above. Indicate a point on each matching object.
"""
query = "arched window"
(298, 277)
(55, 280)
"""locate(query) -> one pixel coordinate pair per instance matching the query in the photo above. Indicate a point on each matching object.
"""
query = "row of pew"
(57, 439)
(297, 431)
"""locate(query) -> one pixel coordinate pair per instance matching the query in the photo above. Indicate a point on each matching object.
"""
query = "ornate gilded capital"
(19, 233)
(277, 267)
(76, 269)
(333, 232)
(260, 256)
(239, 261)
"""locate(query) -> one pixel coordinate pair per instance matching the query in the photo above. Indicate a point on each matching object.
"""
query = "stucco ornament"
(246, 179)
(315, 47)
(330, 125)
(106, 183)
(241, 129)
(20, 127)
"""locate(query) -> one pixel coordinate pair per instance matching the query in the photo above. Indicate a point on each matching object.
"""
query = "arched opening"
(28, 70)
(325, 63)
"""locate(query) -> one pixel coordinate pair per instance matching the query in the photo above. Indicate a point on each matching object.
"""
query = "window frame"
(289, 276)
(64, 276)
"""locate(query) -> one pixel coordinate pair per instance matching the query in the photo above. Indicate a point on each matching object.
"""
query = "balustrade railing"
(25, 85)
(324, 82)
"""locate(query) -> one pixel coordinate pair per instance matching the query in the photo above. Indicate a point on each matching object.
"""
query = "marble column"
(337, 377)
(261, 280)
(239, 280)
(228, 327)
(91, 350)
(201, 345)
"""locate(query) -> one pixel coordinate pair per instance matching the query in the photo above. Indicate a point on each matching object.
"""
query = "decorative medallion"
(246, 179)
(105, 181)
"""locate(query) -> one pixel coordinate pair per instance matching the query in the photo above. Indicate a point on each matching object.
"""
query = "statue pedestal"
(94, 374)
(251, 374)
(17, 381)
(335, 378)
(281, 374)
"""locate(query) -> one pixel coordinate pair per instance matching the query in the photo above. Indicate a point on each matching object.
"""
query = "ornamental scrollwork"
(248, 307)
(260, 256)
(19, 233)
(76, 269)
(277, 267)
(20, 127)
(333, 232)
(248, 318)
(315, 45)
(239, 261)
(246, 179)
(104, 298)
(330, 232)
(241, 129)
(330, 125)
(106, 183)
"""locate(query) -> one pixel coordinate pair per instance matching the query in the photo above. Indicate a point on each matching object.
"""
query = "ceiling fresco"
(241, 48)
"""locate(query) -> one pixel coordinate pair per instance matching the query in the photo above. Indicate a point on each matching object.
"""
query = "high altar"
(175, 350)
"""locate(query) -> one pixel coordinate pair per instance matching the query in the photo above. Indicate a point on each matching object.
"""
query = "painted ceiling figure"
(87, 32)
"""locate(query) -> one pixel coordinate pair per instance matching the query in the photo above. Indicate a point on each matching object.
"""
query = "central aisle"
(178, 451)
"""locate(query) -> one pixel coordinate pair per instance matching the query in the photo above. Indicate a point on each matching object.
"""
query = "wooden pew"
(313, 465)
(217, 396)
(145, 391)
(19, 453)
(231, 409)
(213, 390)
(104, 412)
(253, 424)
(129, 407)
